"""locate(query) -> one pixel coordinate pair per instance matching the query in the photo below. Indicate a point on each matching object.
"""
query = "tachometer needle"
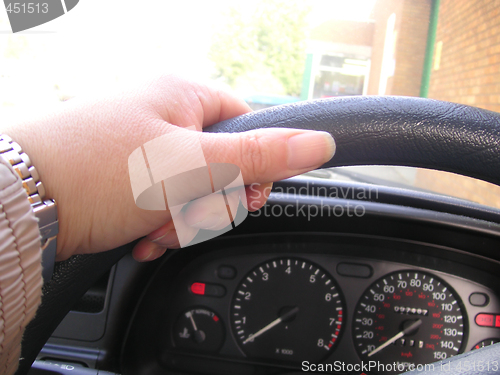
(274, 323)
(405, 331)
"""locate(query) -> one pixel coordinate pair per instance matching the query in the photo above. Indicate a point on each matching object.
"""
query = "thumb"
(263, 155)
(266, 155)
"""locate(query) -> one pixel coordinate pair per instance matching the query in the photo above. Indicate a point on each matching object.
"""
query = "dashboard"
(414, 280)
(318, 302)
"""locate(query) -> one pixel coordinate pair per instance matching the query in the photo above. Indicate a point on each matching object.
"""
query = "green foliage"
(269, 37)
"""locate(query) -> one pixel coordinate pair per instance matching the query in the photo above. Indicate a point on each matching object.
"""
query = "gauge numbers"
(287, 310)
(409, 318)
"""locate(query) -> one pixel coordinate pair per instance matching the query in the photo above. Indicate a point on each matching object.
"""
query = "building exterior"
(441, 49)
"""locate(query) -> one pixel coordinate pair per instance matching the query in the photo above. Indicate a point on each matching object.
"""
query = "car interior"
(340, 267)
(385, 261)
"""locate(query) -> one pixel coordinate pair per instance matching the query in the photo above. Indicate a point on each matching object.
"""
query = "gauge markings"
(288, 318)
(408, 317)
(199, 328)
(484, 343)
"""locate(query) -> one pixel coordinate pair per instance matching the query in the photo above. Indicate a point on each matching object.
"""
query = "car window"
(269, 52)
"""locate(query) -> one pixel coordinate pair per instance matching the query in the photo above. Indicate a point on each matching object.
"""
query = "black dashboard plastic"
(169, 295)
(387, 237)
(399, 229)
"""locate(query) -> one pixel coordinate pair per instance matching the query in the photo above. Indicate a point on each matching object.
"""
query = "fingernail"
(210, 221)
(168, 239)
(310, 149)
(154, 254)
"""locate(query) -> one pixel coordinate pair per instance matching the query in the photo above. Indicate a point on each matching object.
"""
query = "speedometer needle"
(405, 331)
(274, 323)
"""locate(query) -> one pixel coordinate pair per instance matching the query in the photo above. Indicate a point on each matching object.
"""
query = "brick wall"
(381, 12)
(412, 23)
(410, 48)
(469, 71)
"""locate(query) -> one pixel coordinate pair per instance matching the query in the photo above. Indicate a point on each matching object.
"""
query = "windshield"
(269, 52)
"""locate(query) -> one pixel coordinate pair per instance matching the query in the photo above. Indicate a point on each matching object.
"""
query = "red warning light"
(198, 288)
(215, 318)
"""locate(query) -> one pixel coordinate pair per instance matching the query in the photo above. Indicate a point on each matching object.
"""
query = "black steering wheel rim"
(393, 130)
(368, 130)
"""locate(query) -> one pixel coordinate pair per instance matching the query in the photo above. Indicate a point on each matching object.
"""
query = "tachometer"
(289, 310)
(408, 318)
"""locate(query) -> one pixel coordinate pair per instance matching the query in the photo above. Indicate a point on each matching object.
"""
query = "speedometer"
(287, 310)
(406, 319)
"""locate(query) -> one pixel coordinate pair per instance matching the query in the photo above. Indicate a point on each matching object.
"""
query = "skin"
(81, 155)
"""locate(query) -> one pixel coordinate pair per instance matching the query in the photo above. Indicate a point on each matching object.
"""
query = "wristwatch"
(45, 209)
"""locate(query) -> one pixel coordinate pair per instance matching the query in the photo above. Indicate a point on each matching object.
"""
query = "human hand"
(81, 153)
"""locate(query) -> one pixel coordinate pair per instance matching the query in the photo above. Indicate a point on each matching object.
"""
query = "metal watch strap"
(45, 210)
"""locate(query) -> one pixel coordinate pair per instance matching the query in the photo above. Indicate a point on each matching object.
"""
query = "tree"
(267, 40)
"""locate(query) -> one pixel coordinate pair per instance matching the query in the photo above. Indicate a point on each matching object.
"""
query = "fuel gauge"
(199, 329)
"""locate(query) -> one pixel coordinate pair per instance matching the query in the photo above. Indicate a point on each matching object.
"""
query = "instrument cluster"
(299, 307)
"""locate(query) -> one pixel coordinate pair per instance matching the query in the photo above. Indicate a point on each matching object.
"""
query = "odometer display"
(409, 318)
(287, 310)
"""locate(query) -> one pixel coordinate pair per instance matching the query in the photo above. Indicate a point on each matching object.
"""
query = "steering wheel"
(368, 130)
